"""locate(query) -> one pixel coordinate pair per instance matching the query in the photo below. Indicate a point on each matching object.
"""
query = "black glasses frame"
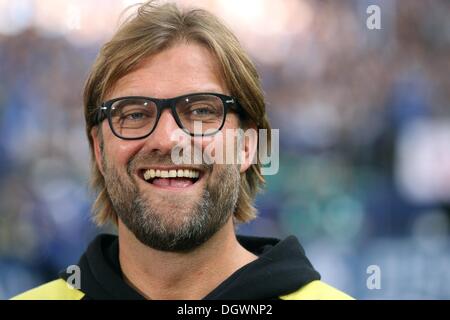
(229, 103)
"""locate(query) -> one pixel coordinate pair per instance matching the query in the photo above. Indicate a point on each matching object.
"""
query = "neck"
(166, 275)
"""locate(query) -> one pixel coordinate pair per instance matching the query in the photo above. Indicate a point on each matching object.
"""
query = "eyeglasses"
(132, 118)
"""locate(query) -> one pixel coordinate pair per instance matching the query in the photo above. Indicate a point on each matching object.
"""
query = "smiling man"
(168, 71)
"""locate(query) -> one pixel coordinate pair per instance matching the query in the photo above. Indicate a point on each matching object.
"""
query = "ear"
(96, 141)
(249, 146)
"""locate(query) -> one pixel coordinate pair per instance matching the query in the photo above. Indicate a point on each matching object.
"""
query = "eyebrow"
(133, 93)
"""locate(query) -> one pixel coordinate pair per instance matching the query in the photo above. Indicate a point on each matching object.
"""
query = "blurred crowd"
(364, 120)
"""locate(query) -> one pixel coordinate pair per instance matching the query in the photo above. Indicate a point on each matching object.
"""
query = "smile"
(171, 178)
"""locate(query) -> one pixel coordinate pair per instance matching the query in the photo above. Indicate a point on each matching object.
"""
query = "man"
(167, 70)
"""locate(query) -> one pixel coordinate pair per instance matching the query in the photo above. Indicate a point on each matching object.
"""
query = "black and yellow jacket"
(281, 272)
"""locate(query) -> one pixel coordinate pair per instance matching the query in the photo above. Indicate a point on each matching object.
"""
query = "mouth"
(171, 178)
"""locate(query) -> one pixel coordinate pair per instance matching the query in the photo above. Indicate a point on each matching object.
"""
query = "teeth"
(186, 173)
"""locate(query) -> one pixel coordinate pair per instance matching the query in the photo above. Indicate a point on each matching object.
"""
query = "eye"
(133, 110)
(134, 116)
(202, 111)
(201, 107)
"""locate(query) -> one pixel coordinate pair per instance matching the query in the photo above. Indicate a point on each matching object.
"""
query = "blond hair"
(150, 30)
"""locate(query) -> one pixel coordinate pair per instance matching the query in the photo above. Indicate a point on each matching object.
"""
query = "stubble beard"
(175, 223)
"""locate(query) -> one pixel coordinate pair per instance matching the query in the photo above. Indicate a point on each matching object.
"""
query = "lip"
(141, 171)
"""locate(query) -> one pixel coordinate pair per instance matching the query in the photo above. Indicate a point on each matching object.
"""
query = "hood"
(281, 268)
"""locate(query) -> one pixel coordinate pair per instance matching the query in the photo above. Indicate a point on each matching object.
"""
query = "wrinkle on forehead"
(181, 69)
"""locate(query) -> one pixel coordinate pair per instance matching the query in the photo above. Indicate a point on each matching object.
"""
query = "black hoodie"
(281, 271)
(281, 268)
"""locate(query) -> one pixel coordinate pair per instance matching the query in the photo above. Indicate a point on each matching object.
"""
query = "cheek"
(223, 146)
(120, 151)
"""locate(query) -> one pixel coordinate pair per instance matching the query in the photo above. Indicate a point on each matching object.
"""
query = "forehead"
(181, 69)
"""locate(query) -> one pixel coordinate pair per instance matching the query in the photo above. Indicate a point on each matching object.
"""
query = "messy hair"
(150, 30)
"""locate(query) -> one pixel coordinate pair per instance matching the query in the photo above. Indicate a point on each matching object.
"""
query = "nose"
(162, 139)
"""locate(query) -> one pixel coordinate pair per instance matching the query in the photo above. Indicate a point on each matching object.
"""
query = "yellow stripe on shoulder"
(317, 290)
(54, 290)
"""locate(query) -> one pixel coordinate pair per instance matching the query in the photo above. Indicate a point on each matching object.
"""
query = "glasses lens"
(133, 117)
(200, 114)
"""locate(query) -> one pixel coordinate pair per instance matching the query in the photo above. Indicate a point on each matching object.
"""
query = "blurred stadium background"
(364, 119)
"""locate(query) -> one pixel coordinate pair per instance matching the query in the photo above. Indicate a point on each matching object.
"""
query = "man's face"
(175, 214)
